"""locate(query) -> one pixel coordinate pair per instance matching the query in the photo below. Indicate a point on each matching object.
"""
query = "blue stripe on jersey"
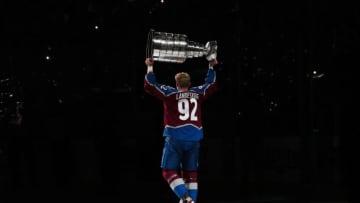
(185, 132)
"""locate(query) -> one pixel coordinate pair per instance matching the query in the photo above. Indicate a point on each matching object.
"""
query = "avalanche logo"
(163, 87)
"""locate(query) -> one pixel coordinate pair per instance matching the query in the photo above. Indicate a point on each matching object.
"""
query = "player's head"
(182, 80)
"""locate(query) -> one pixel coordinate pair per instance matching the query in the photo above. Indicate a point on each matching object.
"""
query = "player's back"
(182, 114)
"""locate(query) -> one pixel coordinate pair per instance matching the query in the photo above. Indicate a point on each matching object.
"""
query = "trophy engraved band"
(176, 48)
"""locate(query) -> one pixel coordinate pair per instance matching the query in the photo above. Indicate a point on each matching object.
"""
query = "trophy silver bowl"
(176, 48)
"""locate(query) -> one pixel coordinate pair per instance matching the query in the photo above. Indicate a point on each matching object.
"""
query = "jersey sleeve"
(152, 87)
(210, 86)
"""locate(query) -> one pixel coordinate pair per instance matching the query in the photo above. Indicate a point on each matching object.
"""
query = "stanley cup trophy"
(176, 48)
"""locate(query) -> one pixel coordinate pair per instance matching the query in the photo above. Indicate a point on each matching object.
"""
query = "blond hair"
(182, 80)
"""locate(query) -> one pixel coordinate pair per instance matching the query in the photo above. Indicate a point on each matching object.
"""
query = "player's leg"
(170, 163)
(190, 168)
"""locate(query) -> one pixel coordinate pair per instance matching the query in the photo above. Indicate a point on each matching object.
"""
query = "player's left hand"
(213, 62)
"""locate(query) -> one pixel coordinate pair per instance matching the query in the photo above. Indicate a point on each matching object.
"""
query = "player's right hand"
(149, 62)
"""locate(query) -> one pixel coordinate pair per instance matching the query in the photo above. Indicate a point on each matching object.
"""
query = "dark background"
(281, 127)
